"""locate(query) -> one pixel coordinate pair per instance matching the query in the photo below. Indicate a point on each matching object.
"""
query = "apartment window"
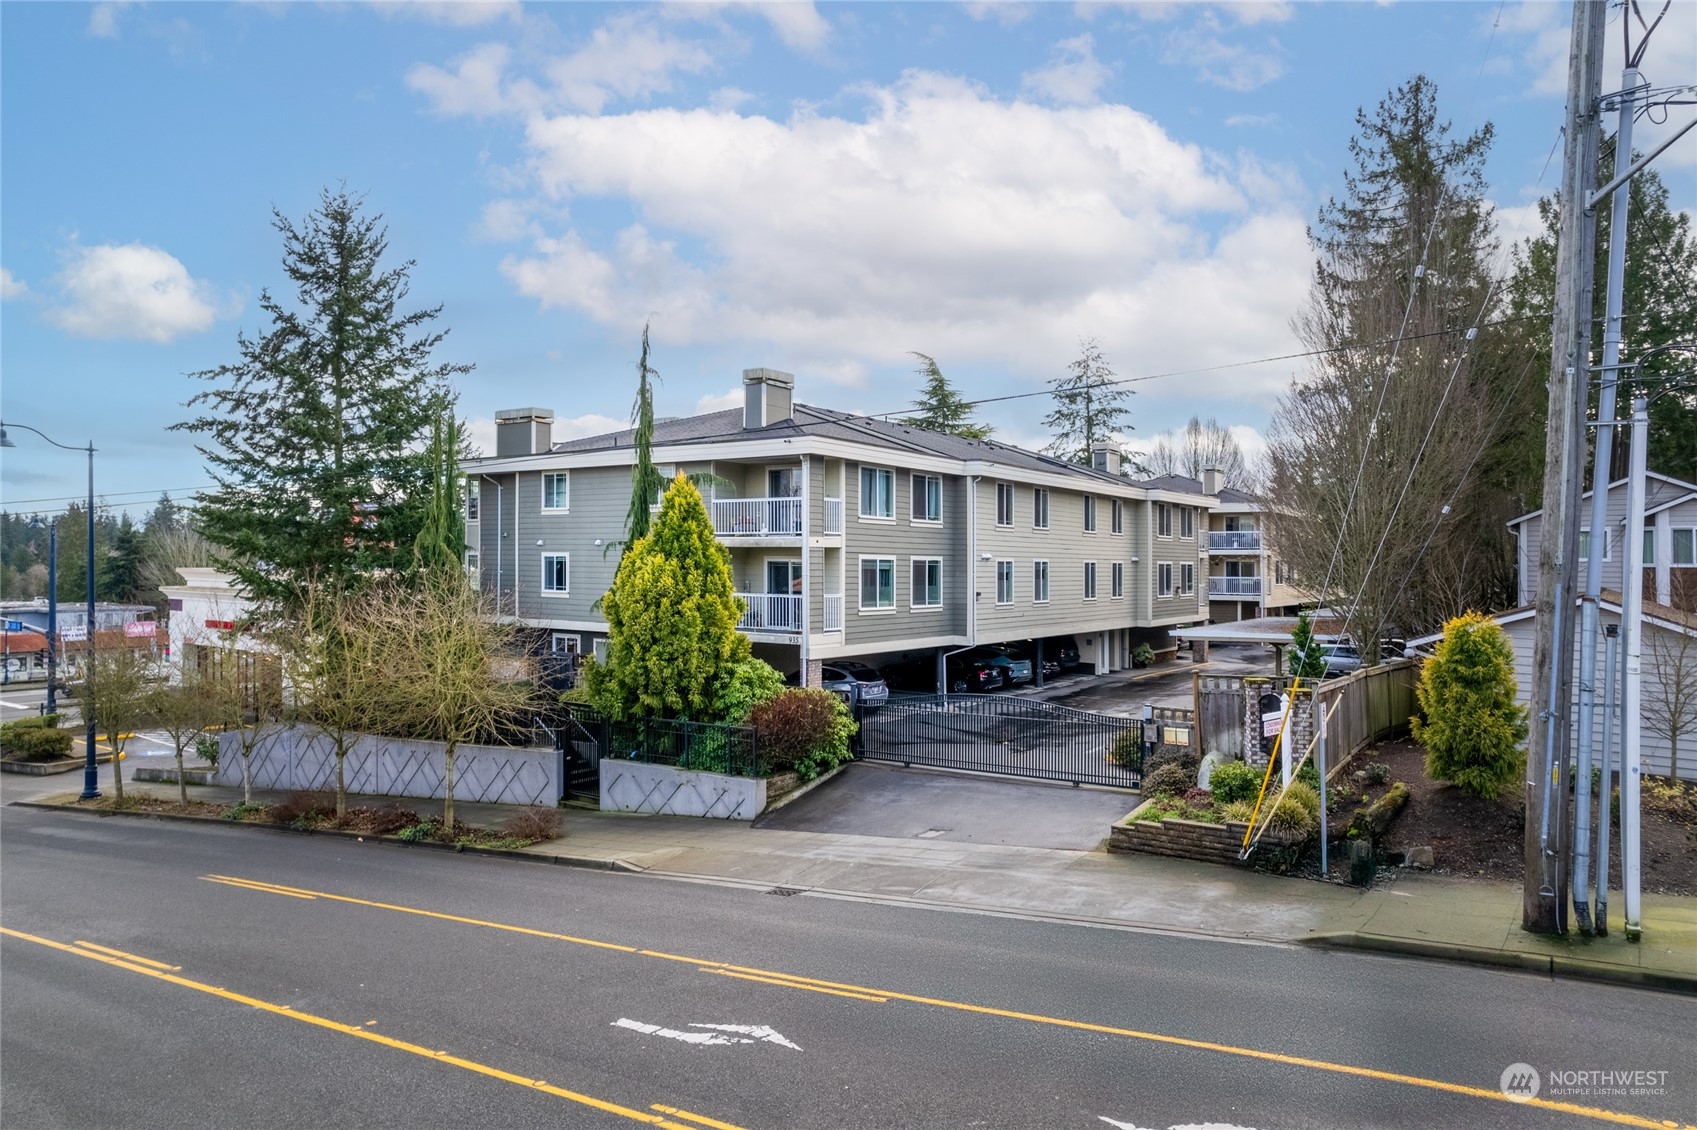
(1116, 516)
(668, 473)
(1090, 580)
(877, 582)
(1187, 578)
(1685, 546)
(599, 649)
(471, 566)
(1004, 582)
(1039, 509)
(1163, 520)
(1164, 579)
(1585, 545)
(557, 491)
(927, 498)
(471, 500)
(927, 583)
(564, 643)
(1040, 582)
(1089, 513)
(1649, 547)
(1004, 504)
(556, 573)
(1118, 581)
(877, 493)
(1278, 572)
(1186, 522)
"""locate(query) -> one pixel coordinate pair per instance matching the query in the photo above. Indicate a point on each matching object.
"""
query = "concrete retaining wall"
(303, 758)
(633, 786)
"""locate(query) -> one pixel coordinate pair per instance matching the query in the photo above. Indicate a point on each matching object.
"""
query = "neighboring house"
(1668, 676)
(849, 537)
(1246, 578)
(25, 648)
(1670, 542)
(72, 615)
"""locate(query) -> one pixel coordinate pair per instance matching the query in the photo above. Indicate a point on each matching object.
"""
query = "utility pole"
(1544, 897)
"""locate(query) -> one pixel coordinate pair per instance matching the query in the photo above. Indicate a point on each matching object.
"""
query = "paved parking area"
(1125, 692)
(869, 799)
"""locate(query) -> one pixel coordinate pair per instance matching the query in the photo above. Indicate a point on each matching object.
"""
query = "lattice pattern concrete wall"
(634, 786)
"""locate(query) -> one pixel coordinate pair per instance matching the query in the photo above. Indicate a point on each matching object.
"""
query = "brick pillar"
(815, 673)
(1252, 722)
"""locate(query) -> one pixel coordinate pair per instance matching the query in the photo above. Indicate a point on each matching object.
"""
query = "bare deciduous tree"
(340, 686)
(1200, 446)
(184, 710)
(1670, 694)
(114, 693)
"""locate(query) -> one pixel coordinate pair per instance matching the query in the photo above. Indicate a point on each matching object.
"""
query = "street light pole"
(91, 777)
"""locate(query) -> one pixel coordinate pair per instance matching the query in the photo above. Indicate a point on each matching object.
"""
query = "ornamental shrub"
(1238, 810)
(806, 729)
(1473, 730)
(1235, 781)
(1173, 755)
(1172, 780)
(1305, 795)
(35, 739)
(1142, 656)
(1127, 750)
(1291, 815)
(742, 686)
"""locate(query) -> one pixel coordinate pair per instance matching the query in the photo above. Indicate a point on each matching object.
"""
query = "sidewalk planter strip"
(636, 786)
(1189, 839)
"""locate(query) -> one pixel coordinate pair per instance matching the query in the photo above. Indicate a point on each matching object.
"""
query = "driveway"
(1124, 693)
(878, 800)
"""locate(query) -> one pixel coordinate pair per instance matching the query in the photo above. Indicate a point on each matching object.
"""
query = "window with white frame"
(471, 566)
(1039, 582)
(1089, 513)
(1585, 545)
(927, 498)
(877, 492)
(1278, 572)
(1164, 579)
(1684, 546)
(1163, 520)
(557, 491)
(927, 576)
(1116, 517)
(1039, 509)
(1090, 580)
(556, 574)
(1004, 582)
(668, 473)
(1004, 504)
(564, 643)
(1186, 522)
(599, 649)
(877, 582)
(1117, 580)
(471, 500)
(1187, 578)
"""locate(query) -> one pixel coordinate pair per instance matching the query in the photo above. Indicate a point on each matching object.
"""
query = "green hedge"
(35, 739)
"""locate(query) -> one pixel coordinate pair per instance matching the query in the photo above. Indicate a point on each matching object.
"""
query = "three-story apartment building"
(849, 537)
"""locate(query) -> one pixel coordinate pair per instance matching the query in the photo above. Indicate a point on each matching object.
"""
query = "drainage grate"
(784, 891)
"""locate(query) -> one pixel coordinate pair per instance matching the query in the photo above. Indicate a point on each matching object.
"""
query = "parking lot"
(1124, 692)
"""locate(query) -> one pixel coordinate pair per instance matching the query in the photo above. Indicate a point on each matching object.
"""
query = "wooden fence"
(1363, 707)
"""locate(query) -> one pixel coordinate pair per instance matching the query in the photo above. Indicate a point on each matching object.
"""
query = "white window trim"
(1012, 505)
(1185, 512)
(1047, 579)
(543, 587)
(473, 500)
(1608, 545)
(937, 561)
(546, 475)
(1116, 571)
(1090, 578)
(1092, 517)
(1164, 568)
(864, 516)
(1040, 493)
(561, 638)
(1674, 563)
(1186, 588)
(1012, 583)
(1160, 509)
(914, 480)
(860, 587)
(1116, 518)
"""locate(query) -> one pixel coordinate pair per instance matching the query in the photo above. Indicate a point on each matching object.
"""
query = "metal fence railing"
(757, 517)
(772, 612)
(711, 747)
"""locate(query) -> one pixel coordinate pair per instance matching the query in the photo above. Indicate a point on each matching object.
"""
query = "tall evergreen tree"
(167, 515)
(120, 572)
(645, 480)
(317, 438)
(941, 408)
(441, 541)
(1088, 405)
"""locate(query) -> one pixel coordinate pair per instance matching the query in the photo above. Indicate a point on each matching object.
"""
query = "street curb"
(590, 863)
(1549, 965)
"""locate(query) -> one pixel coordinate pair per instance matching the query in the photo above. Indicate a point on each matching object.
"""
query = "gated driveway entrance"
(1015, 737)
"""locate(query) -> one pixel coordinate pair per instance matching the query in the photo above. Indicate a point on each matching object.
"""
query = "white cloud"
(1236, 120)
(729, 98)
(719, 402)
(1233, 66)
(1008, 13)
(472, 89)
(1259, 11)
(1074, 74)
(103, 18)
(796, 22)
(452, 13)
(480, 431)
(943, 220)
(11, 286)
(131, 291)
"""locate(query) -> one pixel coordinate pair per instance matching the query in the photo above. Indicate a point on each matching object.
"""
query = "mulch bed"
(1472, 838)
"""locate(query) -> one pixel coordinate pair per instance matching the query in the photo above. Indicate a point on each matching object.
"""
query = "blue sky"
(814, 188)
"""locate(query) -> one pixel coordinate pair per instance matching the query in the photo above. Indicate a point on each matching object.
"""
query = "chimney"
(768, 397)
(1212, 480)
(523, 431)
(1105, 457)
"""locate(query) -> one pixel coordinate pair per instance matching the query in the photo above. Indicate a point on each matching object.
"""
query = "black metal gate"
(1016, 737)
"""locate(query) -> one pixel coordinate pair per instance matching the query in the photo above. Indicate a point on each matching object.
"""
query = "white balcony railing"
(1234, 586)
(833, 612)
(771, 612)
(1229, 540)
(757, 517)
(833, 518)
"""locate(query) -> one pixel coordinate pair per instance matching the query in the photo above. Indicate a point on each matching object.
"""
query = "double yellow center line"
(121, 959)
(880, 996)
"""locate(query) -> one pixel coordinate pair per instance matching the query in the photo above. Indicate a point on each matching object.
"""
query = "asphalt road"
(438, 989)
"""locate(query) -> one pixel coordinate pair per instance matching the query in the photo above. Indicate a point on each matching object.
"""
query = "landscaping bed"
(1473, 838)
(1181, 820)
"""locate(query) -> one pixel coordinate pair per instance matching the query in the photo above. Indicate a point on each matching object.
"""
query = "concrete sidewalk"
(1411, 914)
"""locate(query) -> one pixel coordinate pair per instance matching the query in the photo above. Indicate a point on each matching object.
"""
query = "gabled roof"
(1661, 615)
(1679, 485)
(1184, 484)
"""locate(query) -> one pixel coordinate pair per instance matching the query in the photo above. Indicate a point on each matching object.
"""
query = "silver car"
(1341, 659)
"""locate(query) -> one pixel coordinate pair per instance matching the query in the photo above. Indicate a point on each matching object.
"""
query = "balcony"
(760, 518)
(833, 517)
(772, 612)
(833, 612)
(1234, 541)
(1238, 588)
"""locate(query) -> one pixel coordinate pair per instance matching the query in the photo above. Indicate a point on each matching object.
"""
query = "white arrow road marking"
(758, 1031)
(1186, 1126)
(1117, 1123)
(720, 1034)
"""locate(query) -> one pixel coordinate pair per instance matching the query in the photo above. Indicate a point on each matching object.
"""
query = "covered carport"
(1272, 631)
